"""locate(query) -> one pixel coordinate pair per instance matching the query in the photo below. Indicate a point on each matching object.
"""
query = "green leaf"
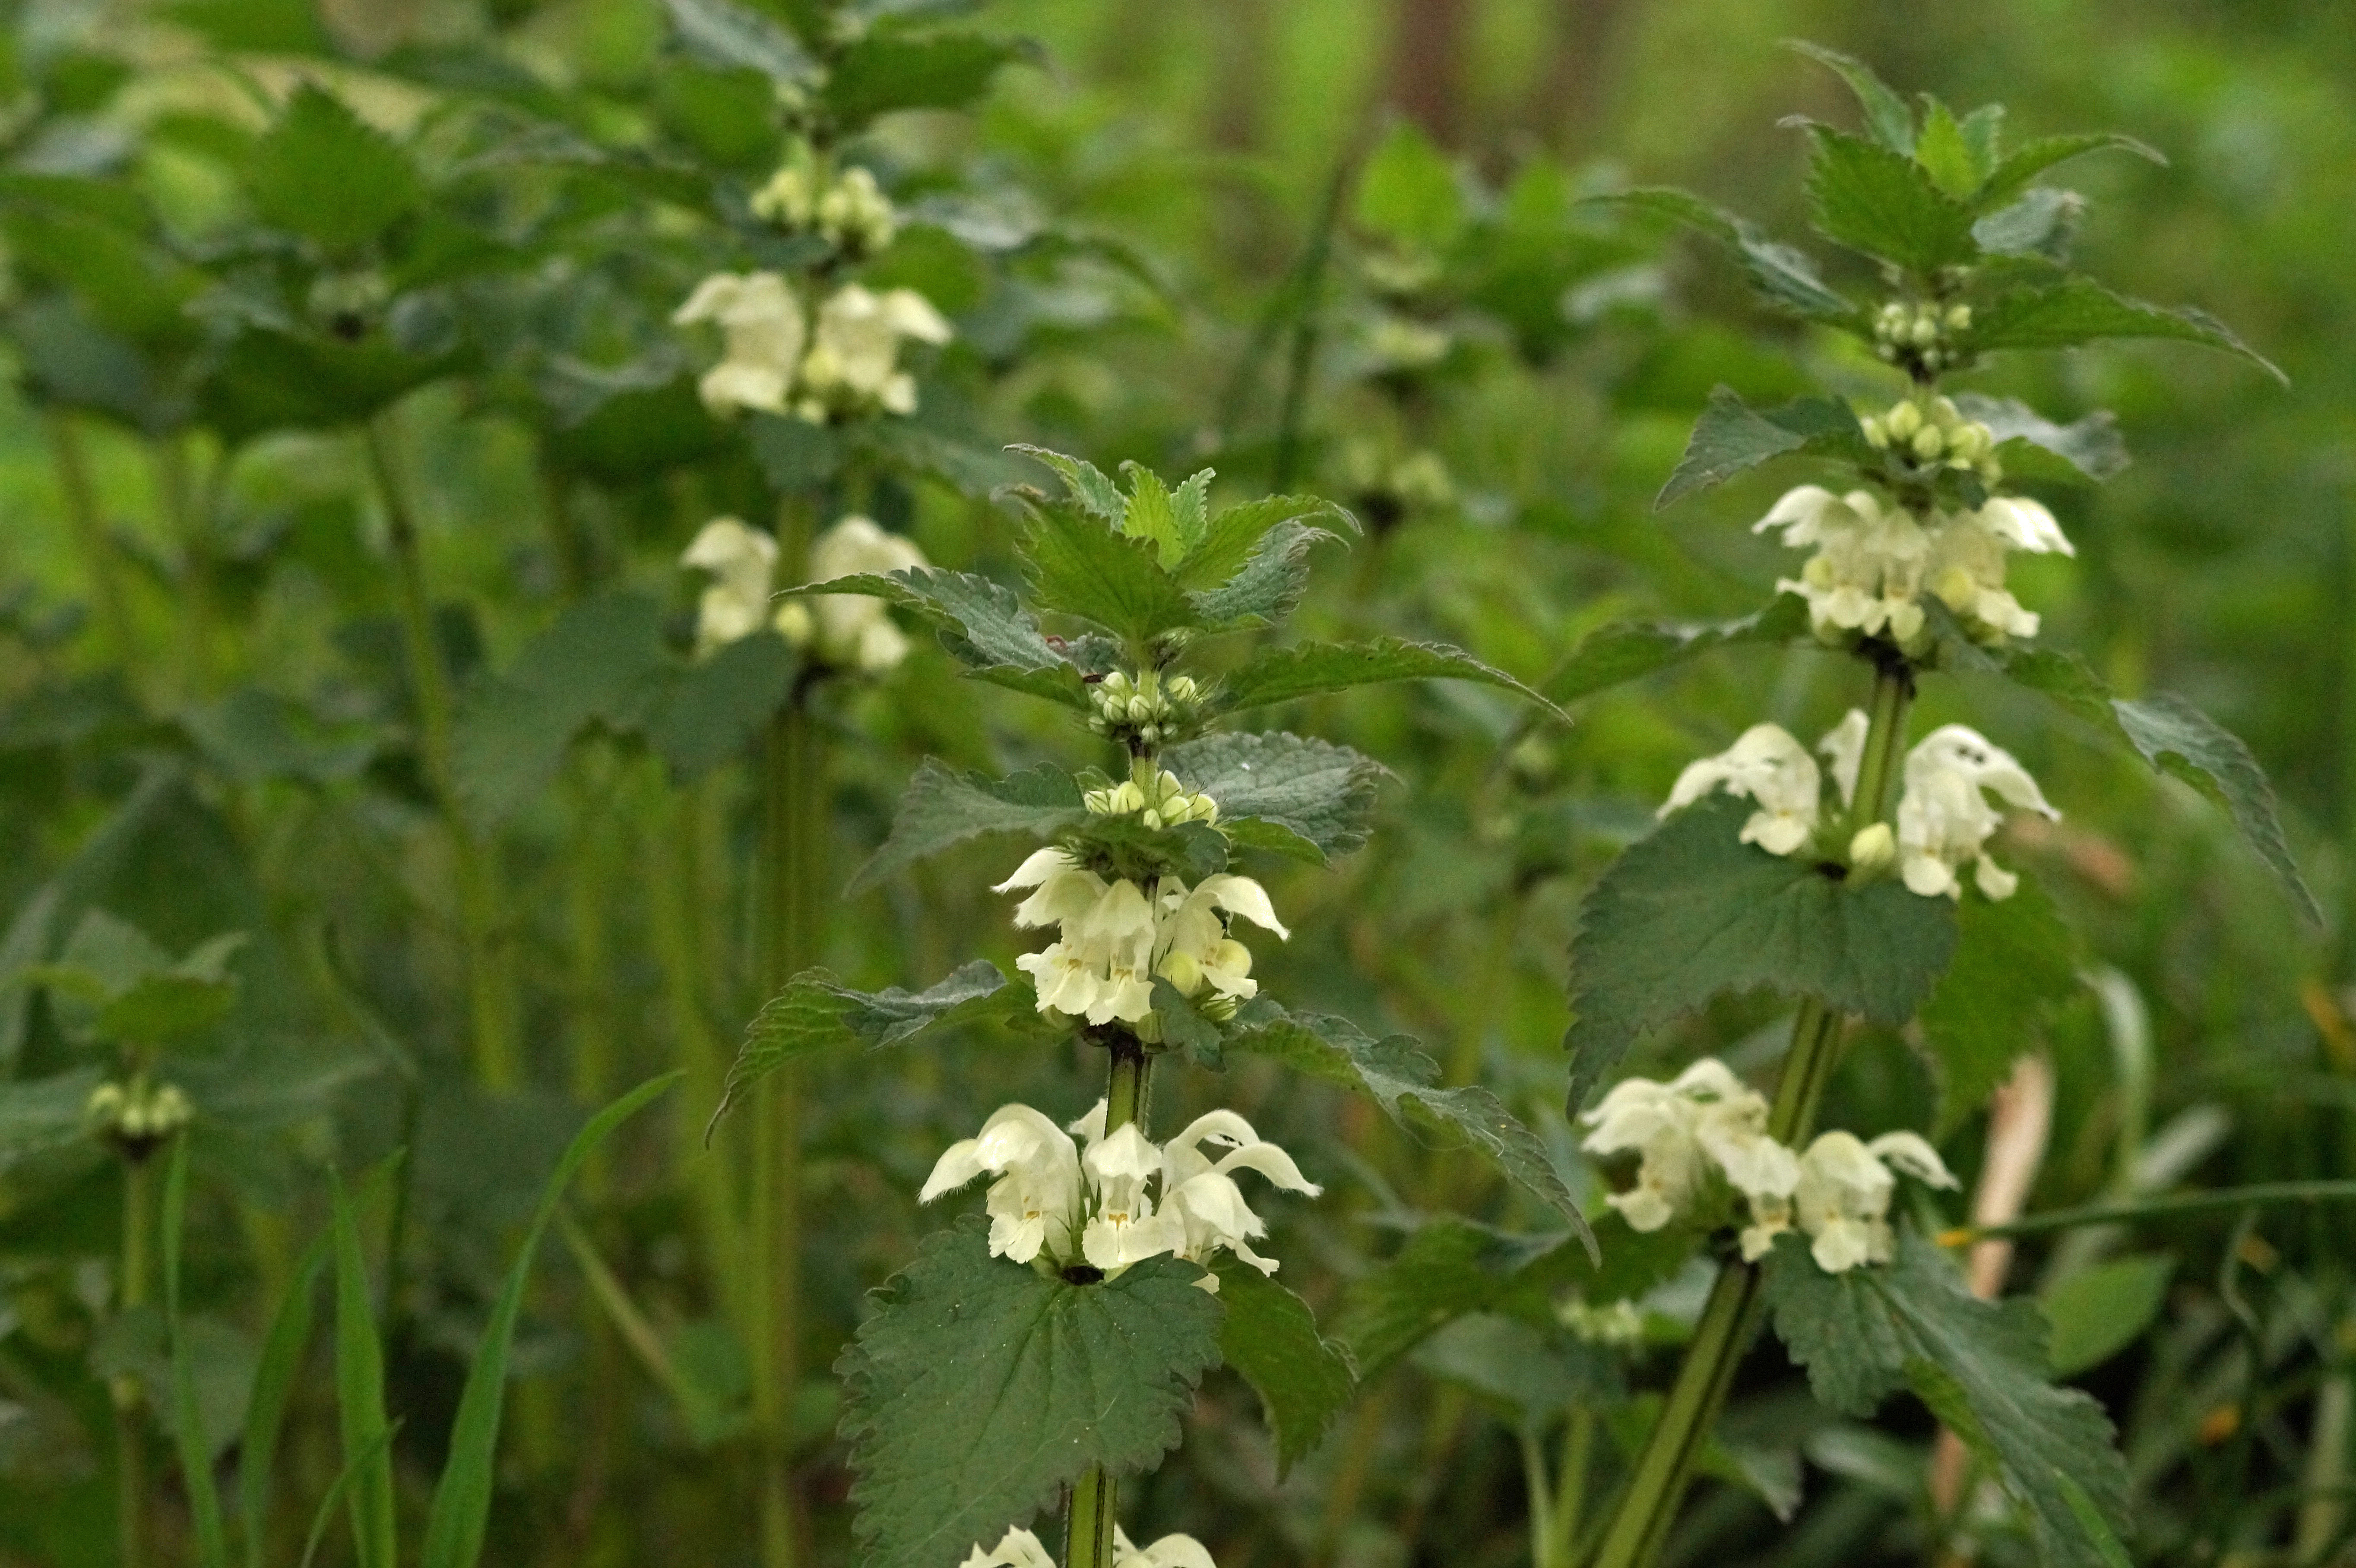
(322, 173)
(2013, 963)
(2079, 310)
(1190, 511)
(2179, 739)
(1945, 156)
(1885, 205)
(2041, 225)
(602, 661)
(283, 1353)
(1533, 1373)
(710, 711)
(1271, 1336)
(1079, 566)
(1394, 1071)
(1408, 191)
(1626, 650)
(1731, 437)
(982, 625)
(2033, 159)
(1280, 675)
(818, 1012)
(1781, 275)
(942, 807)
(1983, 131)
(1689, 913)
(44, 1115)
(885, 71)
(1149, 516)
(1124, 846)
(1270, 585)
(1184, 1028)
(359, 1398)
(1096, 494)
(462, 1498)
(1232, 538)
(1980, 1366)
(728, 37)
(1316, 798)
(979, 1387)
(2090, 446)
(187, 1420)
(2099, 1311)
(1886, 113)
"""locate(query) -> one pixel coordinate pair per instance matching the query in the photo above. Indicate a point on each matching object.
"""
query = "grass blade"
(188, 1420)
(326, 1512)
(360, 1397)
(462, 1499)
(273, 1389)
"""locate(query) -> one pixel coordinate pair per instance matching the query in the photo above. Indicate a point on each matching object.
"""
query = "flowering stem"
(130, 1431)
(1089, 1523)
(1657, 1485)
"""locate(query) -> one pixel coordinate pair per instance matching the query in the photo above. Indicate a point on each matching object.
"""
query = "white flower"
(1768, 766)
(1944, 818)
(742, 560)
(1017, 1549)
(1843, 1196)
(1035, 1204)
(1201, 1200)
(1868, 567)
(1114, 938)
(1843, 747)
(761, 322)
(852, 631)
(1705, 1116)
(1169, 1551)
(853, 364)
(1191, 947)
(1123, 1229)
(1967, 562)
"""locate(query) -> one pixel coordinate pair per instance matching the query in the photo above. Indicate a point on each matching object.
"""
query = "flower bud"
(1928, 443)
(1182, 971)
(1876, 436)
(1924, 333)
(794, 624)
(1959, 317)
(1151, 818)
(1903, 421)
(1945, 411)
(1181, 687)
(1873, 848)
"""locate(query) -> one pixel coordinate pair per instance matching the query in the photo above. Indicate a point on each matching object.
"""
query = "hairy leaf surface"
(1731, 437)
(943, 807)
(1296, 796)
(1271, 1336)
(1304, 669)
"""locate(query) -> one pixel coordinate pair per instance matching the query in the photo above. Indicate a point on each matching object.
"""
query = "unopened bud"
(1928, 443)
(1876, 435)
(1959, 317)
(1873, 848)
(1182, 971)
(1923, 333)
(1903, 421)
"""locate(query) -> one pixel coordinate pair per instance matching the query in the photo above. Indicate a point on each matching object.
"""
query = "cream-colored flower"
(1944, 820)
(1169, 1551)
(1705, 1116)
(1768, 767)
(760, 319)
(1017, 1549)
(852, 366)
(789, 199)
(1868, 567)
(1035, 1204)
(1842, 1200)
(742, 560)
(852, 631)
(856, 215)
(1966, 568)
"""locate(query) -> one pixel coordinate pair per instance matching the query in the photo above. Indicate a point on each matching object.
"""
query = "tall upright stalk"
(130, 1418)
(490, 990)
(100, 561)
(1089, 1522)
(1657, 1485)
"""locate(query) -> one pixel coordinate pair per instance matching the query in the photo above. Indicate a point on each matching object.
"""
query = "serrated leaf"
(2091, 445)
(1190, 509)
(1280, 675)
(1271, 1336)
(2176, 739)
(942, 807)
(2033, 159)
(1270, 585)
(1626, 650)
(1149, 514)
(1982, 133)
(1690, 912)
(1184, 1028)
(1945, 156)
(1886, 113)
(1396, 1072)
(1732, 437)
(979, 1387)
(1125, 847)
(728, 37)
(2042, 223)
(1981, 1367)
(1230, 538)
(980, 624)
(1782, 275)
(1079, 566)
(2079, 310)
(321, 173)
(601, 661)
(1089, 485)
(1320, 794)
(2014, 964)
(884, 71)
(1884, 205)
(2099, 1311)
(818, 1012)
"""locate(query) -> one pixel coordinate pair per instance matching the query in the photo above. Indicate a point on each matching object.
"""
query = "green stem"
(1541, 1495)
(1087, 1533)
(498, 1056)
(676, 907)
(87, 516)
(1656, 1486)
(192, 531)
(130, 1423)
(1571, 1489)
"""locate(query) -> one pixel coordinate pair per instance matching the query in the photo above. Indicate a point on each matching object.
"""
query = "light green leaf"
(359, 1398)
(2079, 310)
(1397, 1073)
(2033, 159)
(1627, 650)
(321, 173)
(1189, 509)
(2090, 446)
(1230, 539)
(1096, 494)
(942, 807)
(885, 70)
(1781, 275)
(1408, 191)
(602, 661)
(1280, 675)
(978, 1388)
(1731, 437)
(1149, 516)
(1980, 1366)
(1883, 204)
(2013, 963)
(1079, 566)
(1983, 131)
(2099, 1311)
(1271, 1336)
(1690, 912)
(1945, 156)
(818, 1012)
(1886, 113)
(1316, 796)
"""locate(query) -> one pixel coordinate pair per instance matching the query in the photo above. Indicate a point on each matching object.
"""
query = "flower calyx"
(1925, 437)
(1921, 338)
(1145, 711)
(848, 210)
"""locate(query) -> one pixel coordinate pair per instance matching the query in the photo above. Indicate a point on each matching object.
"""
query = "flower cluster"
(1114, 939)
(1875, 561)
(1929, 437)
(139, 1114)
(777, 360)
(1125, 1199)
(1144, 713)
(1020, 1549)
(1162, 801)
(1707, 1123)
(1944, 820)
(1920, 336)
(851, 211)
(843, 631)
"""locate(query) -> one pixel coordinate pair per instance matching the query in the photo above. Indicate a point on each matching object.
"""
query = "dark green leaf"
(601, 662)
(359, 1399)
(1280, 675)
(978, 1388)
(2090, 445)
(1125, 847)
(1690, 912)
(1886, 113)
(2099, 1311)
(43, 1115)
(983, 627)
(283, 1353)
(1783, 276)
(886, 70)
(710, 711)
(2013, 963)
(1626, 650)
(323, 174)
(196, 1452)
(1079, 566)
(1318, 795)
(1885, 205)
(1731, 437)
(1184, 1028)
(1303, 1379)
(1533, 1373)
(1231, 539)
(1270, 585)
(942, 807)
(2027, 162)
(728, 37)
(2078, 310)
(1096, 494)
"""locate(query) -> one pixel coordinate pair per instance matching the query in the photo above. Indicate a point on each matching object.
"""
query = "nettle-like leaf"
(1305, 669)
(2013, 963)
(322, 173)
(982, 625)
(1232, 537)
(1783, 276)
(113, 982)
(887, 71)
(602, 661)
(1627, 650)
(1269, 584)
(2041, 226)
(728, 37)
(1885, 205)
(1979, 1365)
(1305, 798)
(1690, 912)
(978, 1388)
(1731, 437)
(1270, 1338)
(1397, 1073)
(943, 807)
(1957, 159)
(2071, 311)
(1080, 567)
(2025, 162)
(44, 1115)
(817, 1012)
(1887, 113)
(2027, 441)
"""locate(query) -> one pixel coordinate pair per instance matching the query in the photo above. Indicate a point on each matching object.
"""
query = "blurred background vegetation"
(1323, 244)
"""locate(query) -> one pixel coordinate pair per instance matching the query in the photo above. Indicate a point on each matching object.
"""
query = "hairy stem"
(1089, 1524)
(1657, 1485)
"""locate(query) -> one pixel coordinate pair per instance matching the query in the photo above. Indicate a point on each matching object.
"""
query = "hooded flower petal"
(1017, 1549)
(1765, 765)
